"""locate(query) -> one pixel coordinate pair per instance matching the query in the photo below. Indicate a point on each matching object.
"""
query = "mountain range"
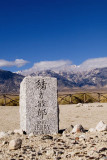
(10, 82)
(95, 79)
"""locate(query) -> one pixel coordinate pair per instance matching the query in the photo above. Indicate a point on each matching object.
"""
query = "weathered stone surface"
(101, 126)
(15, 144)
(38, 105)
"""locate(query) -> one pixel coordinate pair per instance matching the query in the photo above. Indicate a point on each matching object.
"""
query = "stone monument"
(38, 105)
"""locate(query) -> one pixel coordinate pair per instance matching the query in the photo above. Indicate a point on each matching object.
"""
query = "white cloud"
(48, 65)
(17, 63)
(44, 65)
(66, 65)
(93, 63)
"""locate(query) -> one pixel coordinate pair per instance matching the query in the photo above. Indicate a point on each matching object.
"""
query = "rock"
(31, 135)
(90, 153)
(39, 153)
(82, 137)
(101, 126)
(100, 105)
(93, 155)
(90, 106)
(39, 109)
(73, 141)
(18, 131)
(78, 128)
(15, 144)
(70, 154)
(50, 152)
(46, 137)
(3, 134)
(102, 149)
(4, 142)
(10, 132)
(79, 105)
(69, 129)
(58, 158)
(92, 130)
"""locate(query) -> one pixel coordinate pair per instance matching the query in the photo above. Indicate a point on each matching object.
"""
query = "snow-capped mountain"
(67, 81)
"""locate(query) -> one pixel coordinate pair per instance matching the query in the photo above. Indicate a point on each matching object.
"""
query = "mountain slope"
(94, 79)
(63, 82)
(9, 82)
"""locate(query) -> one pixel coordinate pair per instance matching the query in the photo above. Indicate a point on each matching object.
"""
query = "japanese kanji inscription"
(38, 105)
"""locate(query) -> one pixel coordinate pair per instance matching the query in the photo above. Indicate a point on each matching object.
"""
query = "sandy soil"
(88, 115)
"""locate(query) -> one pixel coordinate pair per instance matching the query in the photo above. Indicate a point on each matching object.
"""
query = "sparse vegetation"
(11, 100)
(82, 98)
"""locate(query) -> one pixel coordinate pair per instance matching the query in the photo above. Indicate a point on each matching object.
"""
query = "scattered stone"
(82, 137)
(4, 142)
(15, 144)
(92, 154)
(73, 141)
(101, 126)
(50, 152)
(69, 129)
(92, 130)
(102, 149)
(100, 105)
(79, 105)
(46, 137)
(77, 138)
(77, 128)
(18, 131)
(90, 106)
(10, 132)
(31, 135)
(79, 146)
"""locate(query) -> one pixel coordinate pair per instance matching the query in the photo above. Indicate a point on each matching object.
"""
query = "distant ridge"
(10, 82)
(95, 79)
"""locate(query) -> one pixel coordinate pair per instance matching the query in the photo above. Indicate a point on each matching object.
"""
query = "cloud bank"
(93, 63)
(66, 65)
(49, 65)
(17, 63)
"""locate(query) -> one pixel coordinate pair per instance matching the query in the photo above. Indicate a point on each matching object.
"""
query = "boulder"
(101, 126)
(78, 128)
(15, 144)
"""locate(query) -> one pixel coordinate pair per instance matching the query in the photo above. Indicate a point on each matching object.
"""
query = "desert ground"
(87, 115)
(69, 145)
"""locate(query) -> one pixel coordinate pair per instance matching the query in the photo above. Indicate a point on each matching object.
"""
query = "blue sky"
(51, 30)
